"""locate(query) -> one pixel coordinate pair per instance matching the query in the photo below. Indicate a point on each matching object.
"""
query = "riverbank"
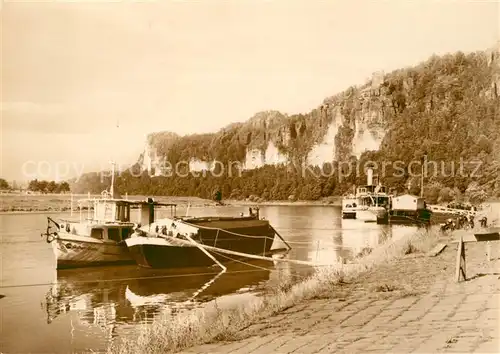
(332, 201)
(57, 203)
(410, 305)
(328, 284)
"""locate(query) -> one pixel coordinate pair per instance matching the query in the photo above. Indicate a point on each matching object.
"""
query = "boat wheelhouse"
(373, 202)
(368, 203)
(97, 237)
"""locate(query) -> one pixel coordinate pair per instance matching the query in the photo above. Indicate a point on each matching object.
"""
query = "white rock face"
(151, 161)
(256, 158)
(199, 165)
(146, 158)
(324, 152)
(273, 156)
(364, 139)
(494, 62)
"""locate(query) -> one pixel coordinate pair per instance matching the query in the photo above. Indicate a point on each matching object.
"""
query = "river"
(44, 310)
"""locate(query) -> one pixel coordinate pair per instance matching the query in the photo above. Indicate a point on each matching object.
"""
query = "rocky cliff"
(348, 124)
(343, 125)
(447, 108)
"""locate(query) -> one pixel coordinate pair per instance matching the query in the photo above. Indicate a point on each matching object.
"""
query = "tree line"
(48, 186)
(4, 185)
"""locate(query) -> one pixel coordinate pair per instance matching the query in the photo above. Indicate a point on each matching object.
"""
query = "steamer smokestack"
(369, 177)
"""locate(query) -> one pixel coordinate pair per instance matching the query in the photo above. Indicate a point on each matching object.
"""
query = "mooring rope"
(205, 286)
(252, 256)
(206, 252)
(259, 267)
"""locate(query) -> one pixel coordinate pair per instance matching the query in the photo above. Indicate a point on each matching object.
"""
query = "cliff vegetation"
(446, 109)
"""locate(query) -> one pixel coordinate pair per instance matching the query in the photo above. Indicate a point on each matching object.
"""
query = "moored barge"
(177, 242)
(406, 210)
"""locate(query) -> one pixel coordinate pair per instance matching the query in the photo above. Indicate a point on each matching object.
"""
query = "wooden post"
(491, 234)
(460, 270)
(317, 250)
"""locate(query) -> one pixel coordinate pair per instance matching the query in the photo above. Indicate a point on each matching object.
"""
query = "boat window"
(126, 232)
(114, 234)
(97, 233)
(119, 212)
(123, 212)
(354, 205)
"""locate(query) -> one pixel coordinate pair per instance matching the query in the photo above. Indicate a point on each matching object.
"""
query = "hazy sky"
(71, 70)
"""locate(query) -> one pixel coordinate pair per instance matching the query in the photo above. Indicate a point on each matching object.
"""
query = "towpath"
(410, 305)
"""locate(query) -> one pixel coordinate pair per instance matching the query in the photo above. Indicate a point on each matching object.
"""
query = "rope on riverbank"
(252, 256)
(253, 265)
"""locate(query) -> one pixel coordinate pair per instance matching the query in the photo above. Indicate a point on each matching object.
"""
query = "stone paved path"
(425, 311)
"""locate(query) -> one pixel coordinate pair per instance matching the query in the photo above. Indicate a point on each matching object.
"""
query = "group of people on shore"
(462, 222)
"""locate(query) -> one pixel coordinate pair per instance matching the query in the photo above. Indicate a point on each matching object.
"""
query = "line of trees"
(48, 186)
(4, 184)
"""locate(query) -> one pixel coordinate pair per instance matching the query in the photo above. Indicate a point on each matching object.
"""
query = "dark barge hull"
(405, 217)
(170, 252)
(441, 218)
(348, 215)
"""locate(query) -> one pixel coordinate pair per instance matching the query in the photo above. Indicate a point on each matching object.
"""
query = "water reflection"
(104, 296)
(320, 235)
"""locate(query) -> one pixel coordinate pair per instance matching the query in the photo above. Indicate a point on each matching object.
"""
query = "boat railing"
(442, 209)
(107, 209)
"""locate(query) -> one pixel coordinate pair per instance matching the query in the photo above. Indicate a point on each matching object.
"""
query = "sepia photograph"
(250, 176)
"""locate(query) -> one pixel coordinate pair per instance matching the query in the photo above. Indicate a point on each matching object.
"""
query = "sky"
(83, 83)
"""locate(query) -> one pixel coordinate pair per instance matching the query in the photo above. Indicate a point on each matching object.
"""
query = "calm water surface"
(43, 310)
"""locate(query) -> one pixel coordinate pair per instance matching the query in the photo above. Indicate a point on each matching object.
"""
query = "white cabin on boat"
(408, 202)
(111, 218)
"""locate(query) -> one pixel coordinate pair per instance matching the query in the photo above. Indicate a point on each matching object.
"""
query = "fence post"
(460, 270)
(317, 250)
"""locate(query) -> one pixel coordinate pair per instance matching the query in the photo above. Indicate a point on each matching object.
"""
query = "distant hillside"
(446, 107)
